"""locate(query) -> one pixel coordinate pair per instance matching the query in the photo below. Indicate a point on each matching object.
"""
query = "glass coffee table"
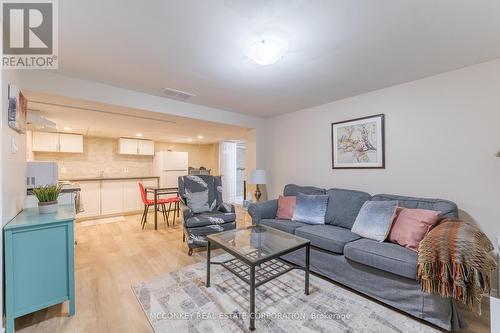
(256, 251)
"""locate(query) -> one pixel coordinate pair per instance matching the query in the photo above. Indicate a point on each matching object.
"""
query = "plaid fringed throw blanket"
(455, 260)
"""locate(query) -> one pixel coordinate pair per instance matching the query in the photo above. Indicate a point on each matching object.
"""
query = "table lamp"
(258, 177)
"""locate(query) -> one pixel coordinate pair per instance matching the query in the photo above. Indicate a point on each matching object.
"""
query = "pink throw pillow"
(286, 206)
(411, 226)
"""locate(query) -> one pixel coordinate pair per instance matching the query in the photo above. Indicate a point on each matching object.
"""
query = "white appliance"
(41, 174)
(169, 165)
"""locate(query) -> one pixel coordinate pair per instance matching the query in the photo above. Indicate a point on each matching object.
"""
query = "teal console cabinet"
(38, 262)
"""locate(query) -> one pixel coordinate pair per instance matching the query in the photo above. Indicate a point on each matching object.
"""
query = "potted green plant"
(47, 198)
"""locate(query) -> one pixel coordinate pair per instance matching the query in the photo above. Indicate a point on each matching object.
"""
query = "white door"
(128, 146)
(111, 197)
(131, 196)
(228, 170)
(71, 143)
(90, 197)
(146, 147)
(43, 141)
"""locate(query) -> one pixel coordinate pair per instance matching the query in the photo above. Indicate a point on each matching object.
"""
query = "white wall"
(13, 165)
(442, 137)
(13, 173)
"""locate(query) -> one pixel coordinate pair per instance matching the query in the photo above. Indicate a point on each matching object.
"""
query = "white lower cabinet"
(90, 198)
(109, 197)
(131, 196)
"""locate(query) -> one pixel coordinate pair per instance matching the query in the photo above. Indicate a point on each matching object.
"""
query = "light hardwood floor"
(110, 258)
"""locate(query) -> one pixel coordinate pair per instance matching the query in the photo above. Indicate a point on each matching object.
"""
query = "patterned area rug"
(180, 302)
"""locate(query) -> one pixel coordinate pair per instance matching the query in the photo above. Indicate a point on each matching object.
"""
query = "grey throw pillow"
(375, 219)
(310, 209)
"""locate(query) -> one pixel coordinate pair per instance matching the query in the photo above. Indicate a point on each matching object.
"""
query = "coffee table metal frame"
(269, 268)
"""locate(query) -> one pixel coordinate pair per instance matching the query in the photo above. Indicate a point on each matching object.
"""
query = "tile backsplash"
(99, 155)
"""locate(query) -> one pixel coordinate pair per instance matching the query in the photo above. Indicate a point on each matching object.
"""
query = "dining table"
(158, 191)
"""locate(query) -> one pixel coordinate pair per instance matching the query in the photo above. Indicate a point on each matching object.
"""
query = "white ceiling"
(337, 48)
(95, 119)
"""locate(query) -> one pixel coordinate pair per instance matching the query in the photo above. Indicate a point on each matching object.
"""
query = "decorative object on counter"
(47, 198)
(258, 177)
(359, 143)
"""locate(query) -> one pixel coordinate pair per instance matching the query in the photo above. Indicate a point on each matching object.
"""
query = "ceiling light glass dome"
(266, 50)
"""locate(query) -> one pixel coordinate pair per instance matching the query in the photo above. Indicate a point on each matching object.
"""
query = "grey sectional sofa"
(381, 270)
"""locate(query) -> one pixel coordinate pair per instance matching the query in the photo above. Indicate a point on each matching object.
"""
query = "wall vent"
(177, 94)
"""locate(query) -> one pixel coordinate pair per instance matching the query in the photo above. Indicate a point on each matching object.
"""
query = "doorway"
(233, 171)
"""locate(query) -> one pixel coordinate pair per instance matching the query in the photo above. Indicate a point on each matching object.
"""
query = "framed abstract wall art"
(359, 143)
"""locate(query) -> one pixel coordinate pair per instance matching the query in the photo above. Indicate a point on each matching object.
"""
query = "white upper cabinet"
(128, 146)
(70, 143)
(146, 147)
(136, 147)
(44, 141)
(57, 142)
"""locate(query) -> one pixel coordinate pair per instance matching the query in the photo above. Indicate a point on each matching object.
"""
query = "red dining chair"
(176, 201)
(148, 203)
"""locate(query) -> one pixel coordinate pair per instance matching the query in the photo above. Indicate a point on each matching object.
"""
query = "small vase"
(47, 207)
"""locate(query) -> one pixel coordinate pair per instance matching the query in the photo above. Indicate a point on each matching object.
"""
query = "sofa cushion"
(209, 218)
(385, 256)
(286, 207)
(411, 225)
(310, 208)
(293, 190)
(375, 219)
(283, 225)
(327, 237)
(447, 208)
(344, 205)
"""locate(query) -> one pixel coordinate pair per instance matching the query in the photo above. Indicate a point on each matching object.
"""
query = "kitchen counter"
(107, 178)
(64, 189)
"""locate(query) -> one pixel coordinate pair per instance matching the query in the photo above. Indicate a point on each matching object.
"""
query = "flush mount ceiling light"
(266, 50)
(200, 137)
(139, 135)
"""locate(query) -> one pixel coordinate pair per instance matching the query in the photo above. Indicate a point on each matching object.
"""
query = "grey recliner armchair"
(205, 212)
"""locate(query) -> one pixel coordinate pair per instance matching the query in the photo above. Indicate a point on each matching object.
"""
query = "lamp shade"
(258, 177)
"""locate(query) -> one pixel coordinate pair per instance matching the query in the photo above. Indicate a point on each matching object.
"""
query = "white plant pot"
(47, 207)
